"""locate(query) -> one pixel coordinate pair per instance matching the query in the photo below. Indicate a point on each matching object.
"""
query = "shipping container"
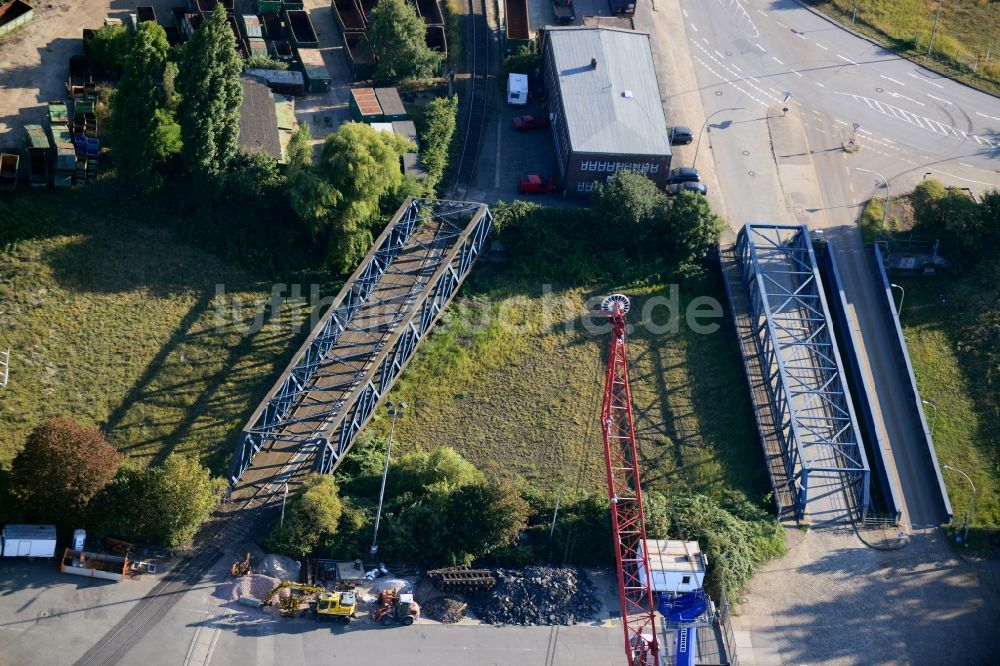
(58, 114)
(295, 6)
(348, 15)
(268, 6)
(280, 80)
(430, 12)
(367, 6)
(94, 565)
(81, 79)
(251, 26)
(364, 106)
(435, 39)
(274, 27)
(257, 47)
(280, 49)
(518, 27)
(145, 13)
(29, 540)
(391, 103)
(9, 163)
(301, 29)
(14, 15)
(359, 55)
(316, 74)
(38, 146)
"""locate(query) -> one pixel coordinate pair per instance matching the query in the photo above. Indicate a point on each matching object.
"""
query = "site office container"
(301, 29)
(28, 540)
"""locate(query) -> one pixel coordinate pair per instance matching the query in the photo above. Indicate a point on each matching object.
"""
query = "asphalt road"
(753, 58)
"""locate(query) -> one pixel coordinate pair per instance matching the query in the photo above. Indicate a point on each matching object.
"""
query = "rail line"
(479, 44)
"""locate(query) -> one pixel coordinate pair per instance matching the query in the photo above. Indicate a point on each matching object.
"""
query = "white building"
(675, 566)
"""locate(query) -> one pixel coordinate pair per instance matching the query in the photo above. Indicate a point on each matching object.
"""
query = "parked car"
(683, 175)
(530, 122)
(677, 188)
(535, 184)
(680, 135)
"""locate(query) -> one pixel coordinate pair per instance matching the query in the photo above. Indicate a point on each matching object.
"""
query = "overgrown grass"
(947, 322)
(967, 30)
(116, 323)
(513, 381)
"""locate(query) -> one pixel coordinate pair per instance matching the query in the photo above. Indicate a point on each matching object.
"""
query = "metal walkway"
(809, 432)
(356, 352)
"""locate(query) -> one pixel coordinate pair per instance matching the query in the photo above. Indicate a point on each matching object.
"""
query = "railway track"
(479, 45)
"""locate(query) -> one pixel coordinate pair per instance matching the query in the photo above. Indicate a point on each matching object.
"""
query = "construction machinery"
(395, 608)
(337, 606)
(241, 567)
(301, 597)
(635, 590)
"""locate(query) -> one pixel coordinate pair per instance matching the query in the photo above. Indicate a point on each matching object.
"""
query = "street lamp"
(902, 295)
(972, 505)
(933, 418)
(697, 146)
(887, 195)
(394, 411)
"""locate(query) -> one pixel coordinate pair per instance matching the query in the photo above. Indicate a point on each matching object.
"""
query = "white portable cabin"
(517, 89)
(675, 566)
(29, 540)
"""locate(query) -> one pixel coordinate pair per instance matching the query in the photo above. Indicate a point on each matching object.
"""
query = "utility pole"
(902, 295)
(697, 146)
(972, 504)
(934, 419)
(283, 498)
(887, 193)
(937, 16)
(394, 411)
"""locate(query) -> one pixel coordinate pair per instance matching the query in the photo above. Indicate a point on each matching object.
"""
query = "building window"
(618, 166)
(593, 165)
(645, 167)
(584, 165)
(654, 167)
(686, 580)
(590, 186)
(635, 166)
(581, 186)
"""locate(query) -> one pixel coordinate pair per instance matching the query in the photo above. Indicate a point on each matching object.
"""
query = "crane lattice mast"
(624, 491)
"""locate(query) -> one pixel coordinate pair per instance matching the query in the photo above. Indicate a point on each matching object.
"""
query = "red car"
(535, 184)
(530, 122)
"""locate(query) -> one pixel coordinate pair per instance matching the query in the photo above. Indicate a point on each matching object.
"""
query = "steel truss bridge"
(352, 357)
(809, 431)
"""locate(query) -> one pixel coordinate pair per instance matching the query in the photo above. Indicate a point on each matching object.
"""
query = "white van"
(517, 89)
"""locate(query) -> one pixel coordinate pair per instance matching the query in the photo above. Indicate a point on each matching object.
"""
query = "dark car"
(677, 188)
(530, 122)
(683, 175)
(535, 184)
(680, 136)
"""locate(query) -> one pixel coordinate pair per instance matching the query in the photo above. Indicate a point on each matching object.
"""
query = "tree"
(691, 229)
(109, 48)
(419, 471)
(181, 494)
(209, 86)
(438, 128)
(62, 466)
(338, 198)
(628, 207)
(312, 517)
(483, 517)
(140, 131)
(397, 36)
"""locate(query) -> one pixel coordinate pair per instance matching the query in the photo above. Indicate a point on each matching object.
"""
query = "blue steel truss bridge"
(330, 389)
(809, 431)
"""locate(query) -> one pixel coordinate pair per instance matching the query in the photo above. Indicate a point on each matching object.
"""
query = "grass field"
(967, 32)
(941, 317)
(512, 380)
(116, 324)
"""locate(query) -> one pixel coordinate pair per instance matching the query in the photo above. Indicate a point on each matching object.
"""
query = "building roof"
(389, 100)
(258, 119)
(677, 556)
(615, 107)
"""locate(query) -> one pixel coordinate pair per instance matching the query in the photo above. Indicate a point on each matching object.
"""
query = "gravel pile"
(538, 595)
(447, 610)
(257, 586)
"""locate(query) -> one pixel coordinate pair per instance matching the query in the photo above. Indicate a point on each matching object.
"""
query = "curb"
(873, 41)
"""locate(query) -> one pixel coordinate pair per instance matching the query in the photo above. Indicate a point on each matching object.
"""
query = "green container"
(316, 75)
(14, 15)
(268, 6)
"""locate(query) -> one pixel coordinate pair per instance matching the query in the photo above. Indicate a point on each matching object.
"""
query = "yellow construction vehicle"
(338, 606)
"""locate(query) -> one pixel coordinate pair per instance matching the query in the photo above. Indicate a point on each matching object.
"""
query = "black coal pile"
(447, 610)
(538, 595)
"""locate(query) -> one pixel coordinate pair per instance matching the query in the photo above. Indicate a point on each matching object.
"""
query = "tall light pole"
(887, 192)
(283, 498)
(902, 295)
(394, 411)
(972, 504)
(934, 418)
(697, 146)
(937, 16)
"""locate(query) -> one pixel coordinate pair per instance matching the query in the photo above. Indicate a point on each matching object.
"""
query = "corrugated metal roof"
(30, 532)
(258, 119)
(389, 100)
(616, 107)
(365, 100)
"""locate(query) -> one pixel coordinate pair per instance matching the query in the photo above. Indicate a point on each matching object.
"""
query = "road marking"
(937, 98)
(735, 67)
(796, 73)
(895, 94)
(685, 12)
(889, 78)
(888, 140)
(817, 112)
(967, 165)
(841, 122)
(782, 25)
(846, 59)
(968, 180)
(819, 84)
(825, 48)
(693, 27)
(800, 35)
(719, 53)
(850, 184)
(986, 116)
(864, 131)
(925, 80)
(757, 81)
(761, 48)
(777, 61)
(774, 90)
(707, 43)
(762, 13)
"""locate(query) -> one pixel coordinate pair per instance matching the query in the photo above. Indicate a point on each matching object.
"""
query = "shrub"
(312, 518)
(265, 62)
(436, 133)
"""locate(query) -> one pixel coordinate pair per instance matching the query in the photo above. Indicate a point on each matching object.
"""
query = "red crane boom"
(627, 517)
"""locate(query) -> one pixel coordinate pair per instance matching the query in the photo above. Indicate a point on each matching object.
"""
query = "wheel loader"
(396, 608)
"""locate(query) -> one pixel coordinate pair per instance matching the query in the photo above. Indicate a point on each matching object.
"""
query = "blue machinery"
(809, 400)
(333, 422)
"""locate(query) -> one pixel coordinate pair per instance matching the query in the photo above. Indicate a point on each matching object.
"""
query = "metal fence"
(728, 636)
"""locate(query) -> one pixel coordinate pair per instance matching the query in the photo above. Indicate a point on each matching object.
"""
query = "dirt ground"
(33, 60)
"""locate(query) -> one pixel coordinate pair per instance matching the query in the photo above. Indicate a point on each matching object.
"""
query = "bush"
(453, 33)
(265, 62)
(436, 133)
(108, 49)
(312, 518)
